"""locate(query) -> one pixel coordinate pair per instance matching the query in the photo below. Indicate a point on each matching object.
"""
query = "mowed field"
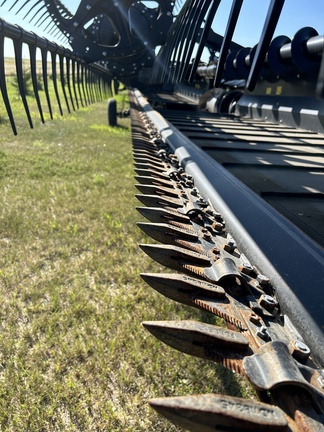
(74, 355)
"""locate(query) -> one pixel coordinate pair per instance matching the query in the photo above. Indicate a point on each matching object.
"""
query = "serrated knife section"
(218, 413)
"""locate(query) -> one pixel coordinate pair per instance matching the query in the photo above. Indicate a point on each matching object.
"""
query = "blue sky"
(295, 14)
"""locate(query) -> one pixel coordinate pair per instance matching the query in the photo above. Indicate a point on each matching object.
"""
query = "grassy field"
(73, 353)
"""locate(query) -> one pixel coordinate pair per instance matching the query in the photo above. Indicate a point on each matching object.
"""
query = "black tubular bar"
(231, 24)
(174, 36)
(203, 37)
(181, 38)
(262, 47)
(189, 37)
(196, 28)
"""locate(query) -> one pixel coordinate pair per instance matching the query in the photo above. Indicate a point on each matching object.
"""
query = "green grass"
(73, 353)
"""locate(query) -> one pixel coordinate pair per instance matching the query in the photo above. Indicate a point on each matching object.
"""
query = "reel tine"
(44, 53)
(20, 77)
(3, 86)
(32, 55)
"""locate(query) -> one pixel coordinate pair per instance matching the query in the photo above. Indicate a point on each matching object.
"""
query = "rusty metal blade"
(157, 190)
(166, 233)
(146, 151)
(157, 200)
(212, 413)
(148, 155)
(146, 146)
(154, 181)
(160, 168)
(148, 160)
(195, 293)
(202, 340)
(151, 172)
(160, 215)
(175, 257)
(182, 288)
(223, 309)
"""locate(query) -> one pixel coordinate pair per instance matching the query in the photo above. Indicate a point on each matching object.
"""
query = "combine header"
(229, 161)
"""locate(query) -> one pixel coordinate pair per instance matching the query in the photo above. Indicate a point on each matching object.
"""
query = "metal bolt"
(254, 318)
(268, 302)
(156, 141)
(88, 7)
(300, 350)
(245, 266)
(229, 246)
(194, 191)
(206, 233)
(201, 202)
(263, 280)
(215, 251)
(217, 226)
(263, 333)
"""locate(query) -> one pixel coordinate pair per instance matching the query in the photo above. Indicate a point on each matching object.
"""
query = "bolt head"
(262, 279)
(300, 350)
